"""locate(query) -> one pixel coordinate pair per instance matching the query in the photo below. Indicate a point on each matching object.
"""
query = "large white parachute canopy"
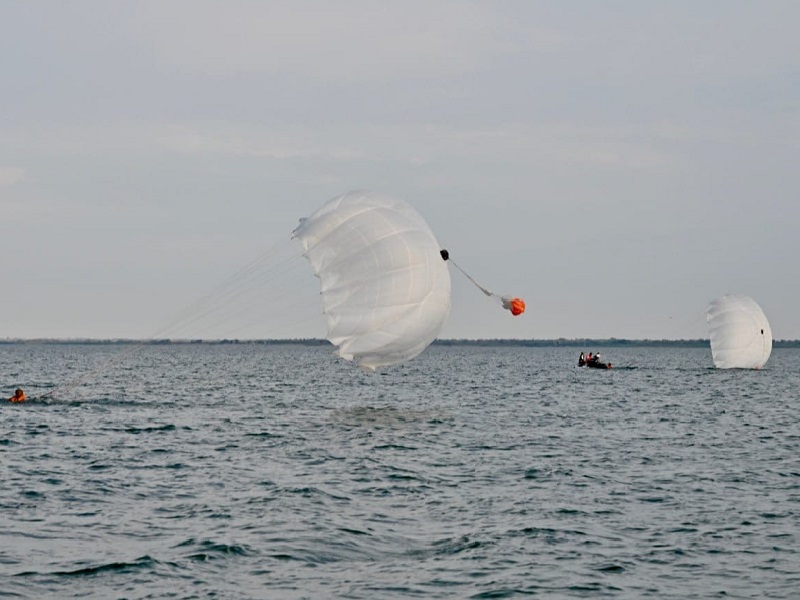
(385, 286)
(740, 334)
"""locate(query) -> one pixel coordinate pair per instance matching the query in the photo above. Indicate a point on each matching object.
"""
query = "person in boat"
(19, 396)
(582, 360)
(595, 363)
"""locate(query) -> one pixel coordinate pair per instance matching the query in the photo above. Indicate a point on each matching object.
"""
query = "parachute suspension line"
(468, 276)
(513, 304)
(95, 373)
(690, 326)
(241, 284)
(218, 297)
(249, 295)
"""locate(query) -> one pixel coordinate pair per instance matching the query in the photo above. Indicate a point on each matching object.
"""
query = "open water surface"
(276, 471)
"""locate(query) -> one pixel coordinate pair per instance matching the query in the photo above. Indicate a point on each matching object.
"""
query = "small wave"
(263, 434)
(141, 563)
(152, 429)
(393, 447)
(40, 429)
(505, 593)
(88, 402)
(209, 550)
(350, 547)
(591, 588)
(311, 492)
(610, 568)
(353, 531)
(458, 545)
(387, 416)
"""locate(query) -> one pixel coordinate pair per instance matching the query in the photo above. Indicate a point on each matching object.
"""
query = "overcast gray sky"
(616, 164)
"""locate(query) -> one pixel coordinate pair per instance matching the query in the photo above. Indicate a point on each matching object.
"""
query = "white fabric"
(740, 334)
(385, 287)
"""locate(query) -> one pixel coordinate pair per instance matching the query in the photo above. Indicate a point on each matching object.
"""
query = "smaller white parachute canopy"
(385, 286)
(740, 334)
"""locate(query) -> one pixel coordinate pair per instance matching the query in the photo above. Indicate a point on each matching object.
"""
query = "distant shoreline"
(511, 342)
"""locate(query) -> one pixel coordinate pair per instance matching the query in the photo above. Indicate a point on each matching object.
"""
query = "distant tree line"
(535, 343)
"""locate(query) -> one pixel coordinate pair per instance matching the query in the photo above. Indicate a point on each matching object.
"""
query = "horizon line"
(505, 341)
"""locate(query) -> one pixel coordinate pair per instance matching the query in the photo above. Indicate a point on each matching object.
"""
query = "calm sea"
(275, 471)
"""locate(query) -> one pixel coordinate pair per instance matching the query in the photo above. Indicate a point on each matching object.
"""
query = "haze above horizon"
(617, 166)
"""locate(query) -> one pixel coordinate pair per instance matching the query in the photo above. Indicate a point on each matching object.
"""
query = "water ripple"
(468, 473)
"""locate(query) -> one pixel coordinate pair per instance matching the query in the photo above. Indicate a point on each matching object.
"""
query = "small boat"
(592, 363)
(598, 365)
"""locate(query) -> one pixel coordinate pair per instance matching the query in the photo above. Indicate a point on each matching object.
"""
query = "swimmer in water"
(19, 396)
